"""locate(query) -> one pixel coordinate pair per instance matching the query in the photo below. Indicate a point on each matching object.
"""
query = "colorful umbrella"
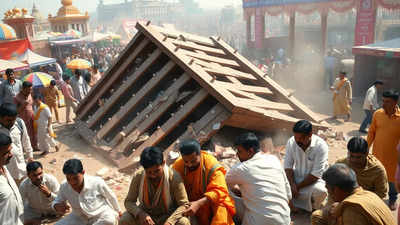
(7, 32)
(38, 79)
(79, 64)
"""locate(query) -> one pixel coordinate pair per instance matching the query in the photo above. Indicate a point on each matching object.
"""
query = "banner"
(365, 23)
(11, 50)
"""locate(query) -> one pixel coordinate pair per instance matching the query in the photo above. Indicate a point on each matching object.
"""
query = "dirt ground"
(72, 146)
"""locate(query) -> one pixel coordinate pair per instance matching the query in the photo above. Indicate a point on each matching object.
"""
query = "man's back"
(265, 189)
(364, 208)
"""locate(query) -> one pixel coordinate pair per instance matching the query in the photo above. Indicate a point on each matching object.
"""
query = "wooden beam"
(209, 58)
(99, 92)
(211, 117)
(227, 72)
(99, 85)
(265, 104)
(194, 46)
(116, 118)
(167, 127)
(188, 37)
(151, 113)
(271, 84)
(124, 87)
(246, 88)
(187, 64)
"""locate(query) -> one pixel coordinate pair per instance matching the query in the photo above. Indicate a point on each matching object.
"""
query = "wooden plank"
(195, 46)
(228, 72)
(88, 104)
(167, 127)
(265, 104)
(99, 85)
(151, 113)
(124, 87)
(175, 34)
(246, 88)
(271, 84)
(134, 100)
(186, 63)
(209, 58)
(199, 125)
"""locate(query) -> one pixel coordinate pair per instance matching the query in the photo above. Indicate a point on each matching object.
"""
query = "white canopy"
(34, 59)
(5, 64)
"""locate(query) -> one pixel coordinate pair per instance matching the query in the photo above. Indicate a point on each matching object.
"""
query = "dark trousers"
(367, 120)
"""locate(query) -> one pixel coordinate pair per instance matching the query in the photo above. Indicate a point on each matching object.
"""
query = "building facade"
(69, 17)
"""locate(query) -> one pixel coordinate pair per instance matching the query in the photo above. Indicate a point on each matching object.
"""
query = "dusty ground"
(72, 146)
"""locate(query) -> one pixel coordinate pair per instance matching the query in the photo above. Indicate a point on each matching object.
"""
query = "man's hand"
(295, 191)
(120, 214)
(29, 160)
(145, 219)
(44, 190)
(192, 209)
(62, 207)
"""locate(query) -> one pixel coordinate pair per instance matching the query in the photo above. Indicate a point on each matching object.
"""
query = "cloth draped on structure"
(308, 7)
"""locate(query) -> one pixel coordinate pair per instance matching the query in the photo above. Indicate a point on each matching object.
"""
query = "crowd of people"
(358, 189)
(196, 189)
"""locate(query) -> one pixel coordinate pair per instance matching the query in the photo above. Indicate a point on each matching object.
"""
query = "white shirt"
(94, 199)
(265, 189)
(20, 144)
(371, 99)
(11, 207)
(80, 88)
(35, 198)
(43, 120)
(314, 160)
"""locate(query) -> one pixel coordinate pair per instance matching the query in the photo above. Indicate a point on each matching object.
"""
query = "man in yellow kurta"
(342, 96)
(205, 184)
(353, 204)
(371, 176)
(384, 134)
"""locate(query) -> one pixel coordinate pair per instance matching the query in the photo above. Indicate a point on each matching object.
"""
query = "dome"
(35, 13)
(67, 9)
(7, 32)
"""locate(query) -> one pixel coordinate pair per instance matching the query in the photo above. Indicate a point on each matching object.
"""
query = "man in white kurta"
(79, 86)
(16, 129)
(264, 188)
(95, 204)
(11, 208)
(38, 191)
(43, 126)
(305, 161)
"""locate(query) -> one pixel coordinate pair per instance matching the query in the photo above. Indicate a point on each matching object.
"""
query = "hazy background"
(51, 6)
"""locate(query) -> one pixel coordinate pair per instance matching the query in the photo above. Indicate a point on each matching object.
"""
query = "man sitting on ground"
(371, 175)
(305, 160)
(353, 204)
(38, 192)
(205, 184)
(263, 191)
(92, 201)
(160, 191)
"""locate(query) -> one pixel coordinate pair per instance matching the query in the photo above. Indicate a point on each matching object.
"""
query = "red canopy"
(11, 50)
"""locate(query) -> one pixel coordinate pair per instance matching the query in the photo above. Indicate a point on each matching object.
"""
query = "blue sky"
(51, 6)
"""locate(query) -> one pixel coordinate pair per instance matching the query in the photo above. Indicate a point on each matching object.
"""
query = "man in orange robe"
(205, 184)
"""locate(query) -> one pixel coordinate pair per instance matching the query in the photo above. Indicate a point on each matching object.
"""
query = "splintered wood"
(168, 86)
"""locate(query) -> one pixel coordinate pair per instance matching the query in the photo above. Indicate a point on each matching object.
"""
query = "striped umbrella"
(38, 79)
(79, 64)
(7, 32)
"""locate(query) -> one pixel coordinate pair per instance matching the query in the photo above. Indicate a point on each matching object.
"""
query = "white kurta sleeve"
(26, 142)
(61, 196)
(288, 161)
(54, 186)
(109, 195)
(320, 161)
(234, 176)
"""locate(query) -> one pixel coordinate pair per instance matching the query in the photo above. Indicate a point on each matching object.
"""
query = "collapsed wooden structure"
(168, 85)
